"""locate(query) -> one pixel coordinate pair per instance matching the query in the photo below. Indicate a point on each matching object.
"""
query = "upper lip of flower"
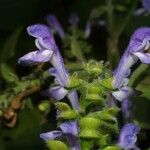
(138, 45)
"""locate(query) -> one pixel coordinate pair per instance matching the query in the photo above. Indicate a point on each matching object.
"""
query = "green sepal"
(66, 112)
(112, 148)
(107, 83)
(8, 73)
(86, 144)
(56, 145)
(94, 68)
(74, 81)
(62, 106)
(103, 140)
(93, 93)
(68, 115)
(93, 98)
(89, 128)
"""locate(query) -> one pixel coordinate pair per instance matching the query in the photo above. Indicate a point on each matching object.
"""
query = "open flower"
(48, 51)
(138, 45)
(128, 136)
(55, 25)
(67, 130)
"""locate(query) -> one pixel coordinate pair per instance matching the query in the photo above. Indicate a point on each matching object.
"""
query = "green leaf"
(9, 47)
(76, 50)
(8, 73)
(7, 53)
(25, 133)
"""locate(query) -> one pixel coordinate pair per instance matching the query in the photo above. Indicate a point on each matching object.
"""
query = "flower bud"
(94, 68)
(44, 106)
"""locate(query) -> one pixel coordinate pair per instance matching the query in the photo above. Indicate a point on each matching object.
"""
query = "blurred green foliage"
(15, 16)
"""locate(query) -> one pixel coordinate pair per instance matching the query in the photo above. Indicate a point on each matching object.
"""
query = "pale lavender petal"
(70, 128)
(123, 93)
(74, 99)
(126, 107)
(74, 142)
(139, 12)
(57, 92)
(128, 136)
(53, 72)
(42, 33)
(144, 57)
(51, 135)
(88, 29)
(36, 57)
(61, 70)
(74, 20)
(55, 25)
(123, 69)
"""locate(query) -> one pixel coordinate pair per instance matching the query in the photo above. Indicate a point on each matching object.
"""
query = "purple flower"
(136, 49)
(48, 51)
(123, 93)
(146, 4)
(128, 136)
(55, 25)
(58, 92)
(126, 107)
(69, 130)
(74, 20)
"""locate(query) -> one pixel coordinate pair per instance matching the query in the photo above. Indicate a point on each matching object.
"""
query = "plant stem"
(112, 41)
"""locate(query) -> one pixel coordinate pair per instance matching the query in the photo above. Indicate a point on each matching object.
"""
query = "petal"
(144, 57)
(123, 93)
(45, 38)
(53, 72)
(69, 128)
(58, 63)
(36, 57)
(126, 107)
(127, 137)
(139, 12)
(73, 142)
(57, 92)
(123, 69)
(51, 135)
(54, 24)
(88, 29)
(73, 98)
(146, 4)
